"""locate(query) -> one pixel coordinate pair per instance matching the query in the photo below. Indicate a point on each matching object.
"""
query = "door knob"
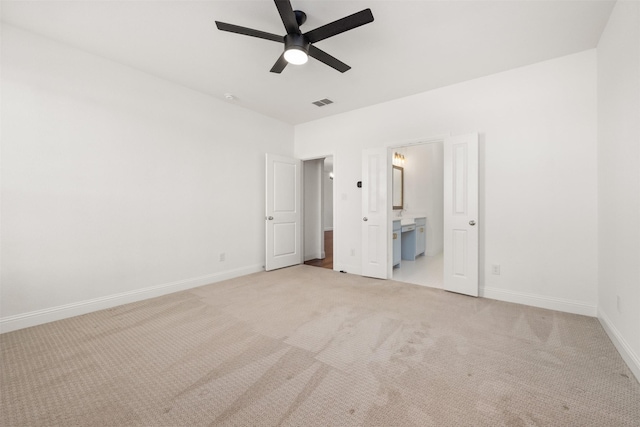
(472, 223)
(365, 219)
(269, 218)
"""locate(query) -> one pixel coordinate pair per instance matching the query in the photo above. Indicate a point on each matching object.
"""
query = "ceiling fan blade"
(222, 26)
(279, 65)
(288, 17)
(340, 26)
(332, 62)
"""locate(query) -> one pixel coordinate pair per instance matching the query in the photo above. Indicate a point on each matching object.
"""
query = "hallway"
(327, 262)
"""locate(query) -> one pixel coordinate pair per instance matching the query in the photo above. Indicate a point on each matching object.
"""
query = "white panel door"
(375, 205)
(283, 216)
(461, 214)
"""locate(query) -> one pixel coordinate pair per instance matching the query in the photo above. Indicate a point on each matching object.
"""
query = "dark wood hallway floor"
(327, 262)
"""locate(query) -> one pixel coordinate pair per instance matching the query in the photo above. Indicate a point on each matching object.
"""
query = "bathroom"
(422, 196)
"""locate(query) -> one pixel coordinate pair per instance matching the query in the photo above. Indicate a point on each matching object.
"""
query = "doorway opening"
(318, 226)
(423, 197)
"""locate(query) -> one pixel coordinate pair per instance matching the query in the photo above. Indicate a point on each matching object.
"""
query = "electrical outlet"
(223, 257)
(495, 269)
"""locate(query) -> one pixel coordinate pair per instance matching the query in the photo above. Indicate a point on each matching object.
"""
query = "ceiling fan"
(297, 46)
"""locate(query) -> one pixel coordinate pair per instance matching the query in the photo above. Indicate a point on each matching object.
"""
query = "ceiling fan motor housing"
(296, 41)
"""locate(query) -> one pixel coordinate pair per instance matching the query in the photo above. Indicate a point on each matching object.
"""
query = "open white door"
(283, 216)
(375, 205)
(461, 214)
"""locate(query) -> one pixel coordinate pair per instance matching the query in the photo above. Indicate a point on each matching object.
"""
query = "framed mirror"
(398, 187)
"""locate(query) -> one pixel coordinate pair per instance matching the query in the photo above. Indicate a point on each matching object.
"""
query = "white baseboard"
(559, 304)
(351, 269)
(39, 317)
(630, 358)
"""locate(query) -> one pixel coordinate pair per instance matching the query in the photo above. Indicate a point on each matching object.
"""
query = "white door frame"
(312, 185)
(466, 289)
(395, 146)
(335, 180)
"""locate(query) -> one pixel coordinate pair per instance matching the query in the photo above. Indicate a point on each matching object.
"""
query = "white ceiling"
(411, 47)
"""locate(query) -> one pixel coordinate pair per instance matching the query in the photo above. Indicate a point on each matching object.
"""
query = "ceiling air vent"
(323, 102)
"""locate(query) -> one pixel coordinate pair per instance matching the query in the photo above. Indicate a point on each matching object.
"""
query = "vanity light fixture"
(398, 159)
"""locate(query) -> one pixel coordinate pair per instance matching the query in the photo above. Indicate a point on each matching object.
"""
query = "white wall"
(117, 185)
(313, 194)
(619, 180)
(328, 198)
(424, 190)
(538, 197)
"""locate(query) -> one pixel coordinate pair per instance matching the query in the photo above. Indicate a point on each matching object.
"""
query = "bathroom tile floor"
(425, 271)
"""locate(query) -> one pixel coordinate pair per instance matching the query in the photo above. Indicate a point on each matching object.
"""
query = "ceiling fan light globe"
(296, 56)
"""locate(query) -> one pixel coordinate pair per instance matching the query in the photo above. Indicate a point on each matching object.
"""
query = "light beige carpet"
(307, 346)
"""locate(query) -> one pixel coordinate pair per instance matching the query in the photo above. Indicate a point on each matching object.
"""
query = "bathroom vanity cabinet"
(409, 239)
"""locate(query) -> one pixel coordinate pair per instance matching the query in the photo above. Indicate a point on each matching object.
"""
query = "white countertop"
(409, 219)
